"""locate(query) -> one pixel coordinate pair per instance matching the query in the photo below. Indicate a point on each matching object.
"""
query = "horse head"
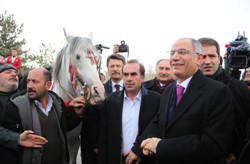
(75, 70)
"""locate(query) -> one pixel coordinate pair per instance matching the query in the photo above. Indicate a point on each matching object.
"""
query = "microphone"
(100, 46)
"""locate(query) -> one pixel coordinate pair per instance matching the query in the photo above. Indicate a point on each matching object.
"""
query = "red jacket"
(17, 62)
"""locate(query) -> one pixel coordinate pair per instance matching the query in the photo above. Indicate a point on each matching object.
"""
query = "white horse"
(74, 74)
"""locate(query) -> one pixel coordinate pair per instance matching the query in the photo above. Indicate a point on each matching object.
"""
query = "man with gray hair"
(163, 77)
(195, 119)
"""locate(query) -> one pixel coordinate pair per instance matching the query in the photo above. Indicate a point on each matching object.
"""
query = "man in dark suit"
(91, 118)
(196, 130)
(211, 67)
(115, 63)
(125, 115)
(163, 77)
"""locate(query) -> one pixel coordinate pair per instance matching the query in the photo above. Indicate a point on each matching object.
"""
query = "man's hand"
(149, 145)
(29, 139)
(131, 156)
(78, 104)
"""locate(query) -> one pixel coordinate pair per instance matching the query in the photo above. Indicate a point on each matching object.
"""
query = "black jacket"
(241, 99)
(12, 120)
(201, 124)
(111, 123)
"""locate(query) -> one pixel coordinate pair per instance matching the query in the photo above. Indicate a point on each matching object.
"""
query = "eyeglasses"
(181, 51)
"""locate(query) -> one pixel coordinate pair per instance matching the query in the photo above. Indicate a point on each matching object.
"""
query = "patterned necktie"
(117, 87)
(179, 91)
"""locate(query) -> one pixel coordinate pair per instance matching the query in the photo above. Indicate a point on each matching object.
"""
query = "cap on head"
(4, 66)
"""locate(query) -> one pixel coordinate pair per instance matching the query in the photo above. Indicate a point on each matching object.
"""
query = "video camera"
(123, 47)
(238, 53)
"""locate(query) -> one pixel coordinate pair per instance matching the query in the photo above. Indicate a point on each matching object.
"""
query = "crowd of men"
(192, 112)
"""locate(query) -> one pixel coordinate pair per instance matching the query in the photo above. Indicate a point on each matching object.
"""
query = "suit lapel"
(144, 98)
(165, 103)
(120, 97)
(192, 94)
(108, 87)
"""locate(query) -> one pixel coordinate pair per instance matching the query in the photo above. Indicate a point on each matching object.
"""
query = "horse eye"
(77, 57)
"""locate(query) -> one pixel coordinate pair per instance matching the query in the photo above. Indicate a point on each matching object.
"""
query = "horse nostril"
(96, 94)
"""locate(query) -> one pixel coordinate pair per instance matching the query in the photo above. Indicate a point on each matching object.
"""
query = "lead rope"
(66, 91)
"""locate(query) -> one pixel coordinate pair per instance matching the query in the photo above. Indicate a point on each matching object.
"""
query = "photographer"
(211, 67)
(116, 49)
(121, 48)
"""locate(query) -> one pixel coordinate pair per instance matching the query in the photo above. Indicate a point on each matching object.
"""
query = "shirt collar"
(120, 83)
(138, 96)
(185, 83)
(50, 103)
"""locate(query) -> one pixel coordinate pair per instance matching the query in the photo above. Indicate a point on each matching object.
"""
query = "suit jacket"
(244, 155)
(200, 127)
(108, 87)
(154, 85)
(241, 108)
(111, 123)
(89, 134)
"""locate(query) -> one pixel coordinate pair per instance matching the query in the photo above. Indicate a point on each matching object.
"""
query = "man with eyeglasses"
(211, 67)
(198, 127)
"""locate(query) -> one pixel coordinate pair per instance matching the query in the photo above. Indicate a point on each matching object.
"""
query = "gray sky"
(148, 27)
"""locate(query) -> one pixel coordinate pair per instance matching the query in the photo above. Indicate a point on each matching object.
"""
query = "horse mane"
(75, 43)
(58, 63)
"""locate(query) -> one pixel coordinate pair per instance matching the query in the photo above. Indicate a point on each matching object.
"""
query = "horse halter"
(86, 91)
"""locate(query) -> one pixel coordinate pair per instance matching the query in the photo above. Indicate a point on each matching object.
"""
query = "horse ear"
(91, 36)
(67, 36)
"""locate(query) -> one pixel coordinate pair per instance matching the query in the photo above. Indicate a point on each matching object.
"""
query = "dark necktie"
(117, 87)
(179, 92)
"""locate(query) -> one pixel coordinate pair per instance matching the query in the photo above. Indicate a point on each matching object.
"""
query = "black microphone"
(100, 46)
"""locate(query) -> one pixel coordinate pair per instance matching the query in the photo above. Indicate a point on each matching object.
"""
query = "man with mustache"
(164, 76)
(9, 140)
(115, 63)
(44, 111)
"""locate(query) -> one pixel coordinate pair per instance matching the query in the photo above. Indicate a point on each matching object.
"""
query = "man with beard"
(44, 112)
(211, 67)
(164, 76)
(10, 140)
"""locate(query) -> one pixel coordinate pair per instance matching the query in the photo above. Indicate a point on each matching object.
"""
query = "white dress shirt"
(130, 121)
